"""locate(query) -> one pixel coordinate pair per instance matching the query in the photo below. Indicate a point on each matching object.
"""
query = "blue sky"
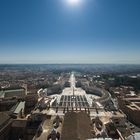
(53, 31)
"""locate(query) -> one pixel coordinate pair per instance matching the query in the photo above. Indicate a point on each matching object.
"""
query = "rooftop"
(3, 118)
(20, 106)
(76, 121)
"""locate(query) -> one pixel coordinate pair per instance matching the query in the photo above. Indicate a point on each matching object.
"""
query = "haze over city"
(68, 31)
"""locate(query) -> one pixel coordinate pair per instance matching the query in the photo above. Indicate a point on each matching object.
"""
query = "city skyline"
(89, 31)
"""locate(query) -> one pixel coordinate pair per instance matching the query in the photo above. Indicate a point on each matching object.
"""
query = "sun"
(73, 2)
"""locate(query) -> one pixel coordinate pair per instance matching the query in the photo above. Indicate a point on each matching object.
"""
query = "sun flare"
(73, 2)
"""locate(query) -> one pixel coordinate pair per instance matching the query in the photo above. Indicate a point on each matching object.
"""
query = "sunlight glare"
(73, 2)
